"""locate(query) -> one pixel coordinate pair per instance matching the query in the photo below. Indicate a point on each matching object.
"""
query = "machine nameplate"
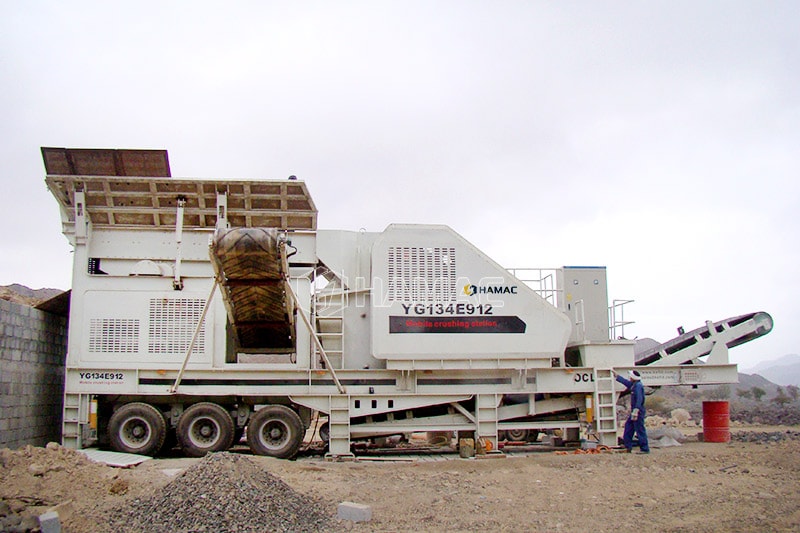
(456, 324)
(102, 380)
(461, 309)
(108, 378)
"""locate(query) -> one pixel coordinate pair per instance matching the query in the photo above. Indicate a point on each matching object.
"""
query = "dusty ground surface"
(741, 486)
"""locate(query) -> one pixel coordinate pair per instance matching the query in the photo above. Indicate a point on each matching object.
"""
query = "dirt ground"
(740, 486)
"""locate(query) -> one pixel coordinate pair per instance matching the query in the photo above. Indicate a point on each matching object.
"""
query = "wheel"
(517, 435)
(325, 432)
(137, 428)
(205, 427)
(276, 431)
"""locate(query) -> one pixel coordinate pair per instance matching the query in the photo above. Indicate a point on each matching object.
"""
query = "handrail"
(543, 282)
(616, 319)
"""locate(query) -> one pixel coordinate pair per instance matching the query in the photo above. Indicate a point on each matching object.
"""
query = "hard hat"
(634, 375)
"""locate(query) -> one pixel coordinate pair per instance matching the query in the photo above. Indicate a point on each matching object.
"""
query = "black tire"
(205, 427)
(517, 435)
(137, 428)
(325, 432)
(276, 431)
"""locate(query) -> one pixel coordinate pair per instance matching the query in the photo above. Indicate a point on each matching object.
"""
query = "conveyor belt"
(252, 282)
(733, 331)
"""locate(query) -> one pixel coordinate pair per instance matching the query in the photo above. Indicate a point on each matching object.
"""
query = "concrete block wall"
(33, 347)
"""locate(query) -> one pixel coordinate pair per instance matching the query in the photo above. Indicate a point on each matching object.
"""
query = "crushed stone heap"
(224, 492)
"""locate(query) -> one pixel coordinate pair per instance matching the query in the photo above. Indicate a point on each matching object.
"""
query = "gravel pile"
(764, 436)
(224, 492)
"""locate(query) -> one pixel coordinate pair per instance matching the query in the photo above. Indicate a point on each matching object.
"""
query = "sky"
(659, 139)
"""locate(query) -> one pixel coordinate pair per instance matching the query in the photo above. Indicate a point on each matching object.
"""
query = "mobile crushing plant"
(201, 308)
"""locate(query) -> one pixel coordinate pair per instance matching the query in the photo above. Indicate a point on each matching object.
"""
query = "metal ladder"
(339, 426)
(486, 419)
(329, 318)
(76, 410)
(605, 400)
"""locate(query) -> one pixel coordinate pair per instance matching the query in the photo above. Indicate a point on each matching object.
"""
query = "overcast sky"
(660, 139)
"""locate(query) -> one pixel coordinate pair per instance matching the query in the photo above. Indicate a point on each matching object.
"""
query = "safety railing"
(542, 280)
(616, 319)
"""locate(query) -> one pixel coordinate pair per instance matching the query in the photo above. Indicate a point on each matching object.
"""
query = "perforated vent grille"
(421, 274)
(172, 325)
(114, 335)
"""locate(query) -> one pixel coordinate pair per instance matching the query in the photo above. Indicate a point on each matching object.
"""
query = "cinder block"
(355, 512)
(49, 522)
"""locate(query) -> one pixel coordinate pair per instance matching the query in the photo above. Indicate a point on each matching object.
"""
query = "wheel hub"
(274, 434)
(204, 432)
(135, 432)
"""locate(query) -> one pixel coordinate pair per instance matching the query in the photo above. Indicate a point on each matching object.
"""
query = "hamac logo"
(472, 290)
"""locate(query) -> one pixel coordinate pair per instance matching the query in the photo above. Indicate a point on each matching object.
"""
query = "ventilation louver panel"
(172, 325)
(421, 274)
(114, 335)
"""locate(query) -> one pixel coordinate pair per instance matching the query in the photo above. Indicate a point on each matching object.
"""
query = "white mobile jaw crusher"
(200, 308)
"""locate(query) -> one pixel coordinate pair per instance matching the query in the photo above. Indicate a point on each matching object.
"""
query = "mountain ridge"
(784, 370)
(20, 294)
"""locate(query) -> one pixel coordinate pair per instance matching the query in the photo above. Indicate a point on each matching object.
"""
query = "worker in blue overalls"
(635, 422)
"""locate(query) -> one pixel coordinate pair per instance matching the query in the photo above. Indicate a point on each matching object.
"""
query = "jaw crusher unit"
(200, 308)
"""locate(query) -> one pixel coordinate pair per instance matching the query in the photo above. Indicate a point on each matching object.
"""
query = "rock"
(680, 416)
(118, 486)
(10, 522)
(763, 437)
(37, 470)
(29, 523)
